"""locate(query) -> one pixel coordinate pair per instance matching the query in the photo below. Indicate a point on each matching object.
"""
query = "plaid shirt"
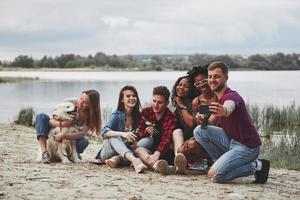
(168, 122)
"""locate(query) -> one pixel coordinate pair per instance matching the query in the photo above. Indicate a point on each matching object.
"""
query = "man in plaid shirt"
(157, 123)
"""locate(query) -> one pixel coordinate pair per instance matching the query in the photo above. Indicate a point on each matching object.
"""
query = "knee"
(200, 133)
(42, 117)
(212, 172)
(177, 132)
(82, 144)
(215, 176)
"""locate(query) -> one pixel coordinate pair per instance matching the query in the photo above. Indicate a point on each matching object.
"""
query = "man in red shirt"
(157, 123)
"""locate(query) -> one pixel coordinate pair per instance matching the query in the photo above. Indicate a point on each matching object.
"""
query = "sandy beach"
(22, 177)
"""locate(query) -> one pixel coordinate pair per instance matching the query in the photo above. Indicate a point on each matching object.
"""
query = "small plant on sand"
(25, 116)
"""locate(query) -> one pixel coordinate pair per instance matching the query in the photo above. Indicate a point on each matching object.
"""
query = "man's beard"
(219, 87)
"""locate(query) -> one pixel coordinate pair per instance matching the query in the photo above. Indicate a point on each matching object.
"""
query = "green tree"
(116, 62)
(101, 59)
(23, 61)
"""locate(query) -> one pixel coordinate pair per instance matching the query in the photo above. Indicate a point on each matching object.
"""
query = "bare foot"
(139, 166)
(114, 161)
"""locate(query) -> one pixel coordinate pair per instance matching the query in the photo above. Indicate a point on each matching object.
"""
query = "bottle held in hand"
(149, 124)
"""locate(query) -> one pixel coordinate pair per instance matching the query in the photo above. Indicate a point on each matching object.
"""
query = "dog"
(64, 151)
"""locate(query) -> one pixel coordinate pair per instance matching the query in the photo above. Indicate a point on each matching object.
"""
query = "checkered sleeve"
(168, 125)
(141, 124)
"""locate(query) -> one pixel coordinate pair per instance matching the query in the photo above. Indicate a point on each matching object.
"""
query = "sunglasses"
(201, 83)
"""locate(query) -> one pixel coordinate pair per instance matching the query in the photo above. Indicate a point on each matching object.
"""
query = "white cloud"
(115, 22)
(135, 27)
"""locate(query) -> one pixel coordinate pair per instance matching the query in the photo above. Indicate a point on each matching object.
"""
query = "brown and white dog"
(64, 151)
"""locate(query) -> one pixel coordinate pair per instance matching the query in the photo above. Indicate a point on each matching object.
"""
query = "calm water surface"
(260, 87)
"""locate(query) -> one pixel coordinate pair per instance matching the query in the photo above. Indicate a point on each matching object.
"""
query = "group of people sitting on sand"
(204, 123)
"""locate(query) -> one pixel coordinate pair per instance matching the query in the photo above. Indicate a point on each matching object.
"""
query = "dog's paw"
(66, 161)
(78, 161)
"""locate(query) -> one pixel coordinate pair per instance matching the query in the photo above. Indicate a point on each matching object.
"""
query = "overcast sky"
(53, 27)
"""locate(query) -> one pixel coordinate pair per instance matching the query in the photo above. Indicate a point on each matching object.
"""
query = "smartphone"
(204, 109)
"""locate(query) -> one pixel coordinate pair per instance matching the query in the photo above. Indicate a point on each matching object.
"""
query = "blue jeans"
(42, 129)
(232, 159)
(115, 146)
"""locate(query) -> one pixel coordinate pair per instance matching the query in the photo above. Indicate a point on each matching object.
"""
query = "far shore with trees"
(103, 62)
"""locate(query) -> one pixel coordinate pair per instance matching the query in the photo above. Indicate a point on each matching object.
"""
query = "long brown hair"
(94, 120)
(137, 108)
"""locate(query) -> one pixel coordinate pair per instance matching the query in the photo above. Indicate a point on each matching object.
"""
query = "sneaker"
(162, 167)
(199, 165)
(46, 157)
(114, 161)
(262, 175)
(180, 163)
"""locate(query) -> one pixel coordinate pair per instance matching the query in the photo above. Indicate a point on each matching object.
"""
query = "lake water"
(260, 87)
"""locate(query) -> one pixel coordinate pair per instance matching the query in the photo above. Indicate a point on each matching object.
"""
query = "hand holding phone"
(204, 109)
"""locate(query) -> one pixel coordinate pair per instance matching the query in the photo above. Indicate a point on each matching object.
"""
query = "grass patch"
(280, 130)
(25, 116)
(16, 79)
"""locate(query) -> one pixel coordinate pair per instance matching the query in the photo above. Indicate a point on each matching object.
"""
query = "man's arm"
(220, 110)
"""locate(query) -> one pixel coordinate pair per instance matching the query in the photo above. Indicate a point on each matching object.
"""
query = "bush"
(25, 116)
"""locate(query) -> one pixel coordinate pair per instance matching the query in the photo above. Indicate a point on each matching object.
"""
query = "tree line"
(100, 60)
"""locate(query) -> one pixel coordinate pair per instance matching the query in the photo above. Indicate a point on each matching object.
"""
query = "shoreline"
(106, 69)
(32, 180)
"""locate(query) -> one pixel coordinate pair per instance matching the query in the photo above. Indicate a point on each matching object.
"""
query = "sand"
(22, 177)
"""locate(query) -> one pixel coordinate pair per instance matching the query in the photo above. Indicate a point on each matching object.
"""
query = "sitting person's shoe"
(162, 167)
(139, 166)
(46, 157)
(114, 161)
(180, 163)
(262, 175)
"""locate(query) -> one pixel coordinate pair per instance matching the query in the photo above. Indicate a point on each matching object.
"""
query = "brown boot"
(162, 167)
(114, 161)
(180, 163)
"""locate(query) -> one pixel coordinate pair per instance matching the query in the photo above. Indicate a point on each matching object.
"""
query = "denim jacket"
(115, 123)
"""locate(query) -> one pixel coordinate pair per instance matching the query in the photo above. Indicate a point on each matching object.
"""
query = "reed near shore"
(279, 128)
